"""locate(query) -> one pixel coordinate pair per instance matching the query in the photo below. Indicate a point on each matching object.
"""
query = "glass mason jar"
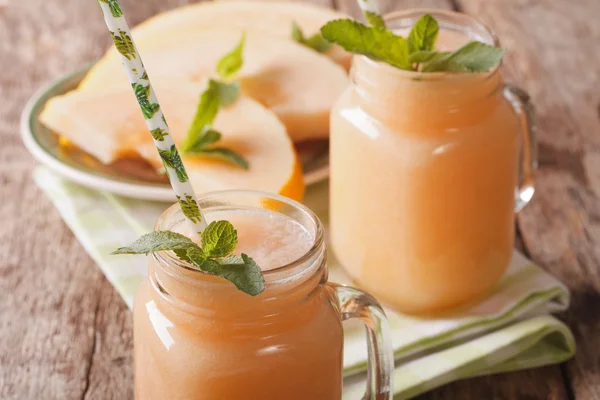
(427, 172)
(198, 337)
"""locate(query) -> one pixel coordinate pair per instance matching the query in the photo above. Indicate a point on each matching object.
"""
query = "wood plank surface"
(66, 334)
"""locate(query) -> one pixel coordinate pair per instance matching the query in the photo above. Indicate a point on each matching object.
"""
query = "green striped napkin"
(511, 329)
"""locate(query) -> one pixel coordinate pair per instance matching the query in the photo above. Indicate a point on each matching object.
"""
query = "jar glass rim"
(272, 275)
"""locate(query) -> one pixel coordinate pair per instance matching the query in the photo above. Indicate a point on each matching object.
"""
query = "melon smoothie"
(198, 337)
(424, 169)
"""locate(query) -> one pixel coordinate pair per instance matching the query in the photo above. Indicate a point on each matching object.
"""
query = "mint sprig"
(416, 52)
(316, 42)
(219, 239)
(423, 35)
(472, 57)
(231, 62)
(219, 93)
(377, 44)
(375, 20)
(214, 257)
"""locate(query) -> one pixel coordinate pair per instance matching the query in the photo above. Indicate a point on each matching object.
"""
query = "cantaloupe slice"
(273, 18)
(297, 83)
(110, 124)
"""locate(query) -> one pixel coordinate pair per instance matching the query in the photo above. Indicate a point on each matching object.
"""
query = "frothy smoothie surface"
(271, 239)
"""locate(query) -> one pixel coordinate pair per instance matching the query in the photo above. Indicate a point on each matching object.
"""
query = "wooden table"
(66, 334)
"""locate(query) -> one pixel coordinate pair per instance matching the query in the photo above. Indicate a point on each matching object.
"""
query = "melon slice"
(273, 18)
(297, 83)
(108, 125)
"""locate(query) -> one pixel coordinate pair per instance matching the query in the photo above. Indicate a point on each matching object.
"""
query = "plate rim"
(90, 180)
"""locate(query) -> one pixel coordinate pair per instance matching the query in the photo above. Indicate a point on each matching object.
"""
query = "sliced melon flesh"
(273, 18)
(109, 124)
(297, 83)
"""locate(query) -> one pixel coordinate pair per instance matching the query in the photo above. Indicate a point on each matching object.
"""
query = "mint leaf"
(297, 33)
(219, 239)
(375, 20)
(241, 271)
(244, 273)
(218, 94)
(380, 45)
(223, 154)
(423, 35)
(472, 57)
(442, 62)
(158, 241)
(201, 135)
(231, 259)
(419, 57)
(228, 92)
(415, 53)
(231, 63)
(316, 42)
(193, 255)
(207, 110)
(205, 139)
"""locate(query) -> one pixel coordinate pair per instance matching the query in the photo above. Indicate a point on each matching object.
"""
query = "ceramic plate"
(126, 177)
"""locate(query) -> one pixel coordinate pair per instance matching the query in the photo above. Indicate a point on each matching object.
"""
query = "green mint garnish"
(472, 57)
(157, 241)
(210, 102)
(315, 42)
(214, 257)
(231, 63)
(423, 35)
(241, 271)
(228, 92)
(227, 155)
(219, 239)
(377, 44)
(201, 136)
(415, 53)
(375, 20)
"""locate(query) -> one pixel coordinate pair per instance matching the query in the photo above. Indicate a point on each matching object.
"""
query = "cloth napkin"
(510, 329)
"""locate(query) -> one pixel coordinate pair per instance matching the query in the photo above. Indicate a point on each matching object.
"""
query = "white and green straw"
(369, 6)
(155, 119)
(370, 9)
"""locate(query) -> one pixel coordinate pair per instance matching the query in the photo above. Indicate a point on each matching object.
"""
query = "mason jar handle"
(356, 304)
(521, 103)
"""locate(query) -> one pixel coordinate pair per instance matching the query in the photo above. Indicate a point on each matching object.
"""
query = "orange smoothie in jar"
(424, 169)
(210, 341)
(197, 337)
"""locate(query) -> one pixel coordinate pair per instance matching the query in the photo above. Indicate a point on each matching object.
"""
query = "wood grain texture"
(66, 334)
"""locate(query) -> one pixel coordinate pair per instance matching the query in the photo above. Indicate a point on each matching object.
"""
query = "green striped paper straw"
(155, 119)
(370, 9)
(369, 6)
